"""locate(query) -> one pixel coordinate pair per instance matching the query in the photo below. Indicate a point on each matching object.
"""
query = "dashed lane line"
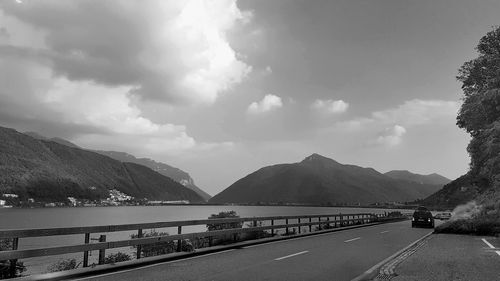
(384, 231)
(353, 239)
(292, 255)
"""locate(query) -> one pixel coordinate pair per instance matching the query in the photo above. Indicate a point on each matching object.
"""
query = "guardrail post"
(299, 225)
(327, 222)
(272, 229)
(86, 253)
(13, 263)
(286, 229)
(102, 252)
(139, 247)
(310, 226)
(341, 220)
(179, 242)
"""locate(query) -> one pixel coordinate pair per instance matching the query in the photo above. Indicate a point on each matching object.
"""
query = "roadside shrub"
(323, 226)
(187, 246)
(117, 257)
(155, 249)
(221, 226)
(62, 265)
(6, 244)
(484, 222)
(394, 214)
(255, 234)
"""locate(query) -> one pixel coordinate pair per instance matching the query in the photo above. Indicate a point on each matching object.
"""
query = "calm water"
(92, 216)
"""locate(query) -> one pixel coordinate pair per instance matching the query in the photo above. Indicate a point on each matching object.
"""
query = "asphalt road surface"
(339, 256)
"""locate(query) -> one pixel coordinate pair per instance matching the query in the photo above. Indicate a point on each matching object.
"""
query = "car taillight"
(429, 219)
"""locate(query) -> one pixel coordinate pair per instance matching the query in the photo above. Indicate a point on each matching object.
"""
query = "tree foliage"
(480, 111)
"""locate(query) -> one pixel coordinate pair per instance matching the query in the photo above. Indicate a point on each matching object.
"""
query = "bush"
(394, 214)
(155, 249)
(485, 222)
(118, 257)
(221, 226)
(6, 244)
(62, 265)
(255, 234)
(323, 226)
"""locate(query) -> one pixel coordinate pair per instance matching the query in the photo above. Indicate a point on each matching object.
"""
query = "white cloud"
(392, 136)
(331, 106)
(268, 103)
(171, 51)
(109, 59)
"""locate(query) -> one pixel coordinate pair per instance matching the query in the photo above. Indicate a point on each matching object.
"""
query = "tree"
(480, 111)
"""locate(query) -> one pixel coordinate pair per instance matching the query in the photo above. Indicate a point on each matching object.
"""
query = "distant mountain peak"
(315, 157)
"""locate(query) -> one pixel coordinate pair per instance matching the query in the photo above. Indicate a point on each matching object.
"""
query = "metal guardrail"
(332, 220)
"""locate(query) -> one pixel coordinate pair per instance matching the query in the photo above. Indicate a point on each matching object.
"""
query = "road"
(453, 257)
(339, 256)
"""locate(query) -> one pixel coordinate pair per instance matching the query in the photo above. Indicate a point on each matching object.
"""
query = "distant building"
(177, 202)
(2, 202)
(118, 196)
(72, 201)
(10, 195)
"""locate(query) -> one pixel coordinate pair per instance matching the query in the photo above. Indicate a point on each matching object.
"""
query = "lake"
(92, 216)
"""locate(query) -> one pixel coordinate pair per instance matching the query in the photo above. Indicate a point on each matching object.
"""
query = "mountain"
(49, 171)
(320, 180)
(58, 140)
(174, 173)
(423, 179)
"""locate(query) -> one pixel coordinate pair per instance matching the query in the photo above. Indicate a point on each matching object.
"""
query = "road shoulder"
(446, 257)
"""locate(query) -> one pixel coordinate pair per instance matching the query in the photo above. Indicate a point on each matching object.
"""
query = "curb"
(109, 268)
(374, 270)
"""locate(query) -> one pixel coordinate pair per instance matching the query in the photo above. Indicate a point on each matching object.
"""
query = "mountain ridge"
(174, 173)
(46, 170)
(320, 180)
(433, 178)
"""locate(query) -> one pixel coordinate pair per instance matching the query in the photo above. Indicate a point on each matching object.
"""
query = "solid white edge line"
(488, 243)
(380, 264)
(353, 239)
(292, 255)
(151, 265)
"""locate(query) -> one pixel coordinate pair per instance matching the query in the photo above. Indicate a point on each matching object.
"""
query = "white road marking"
(292, 255)
(152, 265)
(353, 239)
(488, 243)
(491, 246)
(385, 231)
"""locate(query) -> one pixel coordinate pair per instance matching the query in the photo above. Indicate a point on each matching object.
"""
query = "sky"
(222, 88)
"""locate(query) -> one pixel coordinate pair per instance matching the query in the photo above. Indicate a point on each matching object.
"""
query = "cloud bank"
(88, 64)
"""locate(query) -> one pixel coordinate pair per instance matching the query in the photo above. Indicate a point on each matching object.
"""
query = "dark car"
(422, 217)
